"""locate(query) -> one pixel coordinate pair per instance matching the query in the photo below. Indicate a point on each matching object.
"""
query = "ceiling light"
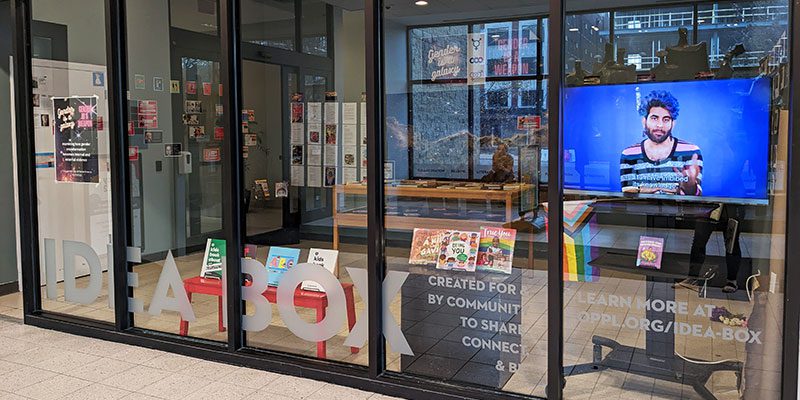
(421, 3)
(573, 29)
(496, 36)
(595, 28)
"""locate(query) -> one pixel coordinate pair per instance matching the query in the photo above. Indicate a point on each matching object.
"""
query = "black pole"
(791, 307)
(116, 54)
(26, 170)
(233, 179)
(555, 191)
(375, 196)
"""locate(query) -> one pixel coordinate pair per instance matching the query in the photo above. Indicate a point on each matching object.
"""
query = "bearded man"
(661, 163)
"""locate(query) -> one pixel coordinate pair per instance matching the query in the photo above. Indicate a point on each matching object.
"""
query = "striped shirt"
(636, 170)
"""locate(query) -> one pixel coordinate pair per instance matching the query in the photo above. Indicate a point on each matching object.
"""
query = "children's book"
(280, 260)
(496, 249)
(650, 251)
(212, 259)
(458, 251)
(425, 246)
(324, 257)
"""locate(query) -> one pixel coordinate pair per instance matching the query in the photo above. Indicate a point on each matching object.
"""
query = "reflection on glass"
(465, 227)
(176, 138)
(72, 161)
(306, 212)
(269, 23)
(672, 219)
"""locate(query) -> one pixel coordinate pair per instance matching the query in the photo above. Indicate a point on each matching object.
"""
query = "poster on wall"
(331, 113)
(297, 175)
(212, 154)
(349, 175)
(314, 176)
(314, 156)
(349, 135)
(314, 113)
(331, 155)
(75, 120)
(296, 133)
(349, 113)
(297, 112)
(314, 133)
(330, 176)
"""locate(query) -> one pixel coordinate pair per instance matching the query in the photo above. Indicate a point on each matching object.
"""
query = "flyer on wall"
(297, 175)
(314, 113)
(349, 113)
(331, 113)
(314, 133)
(75, 120)
(314, 156)
(314, 176)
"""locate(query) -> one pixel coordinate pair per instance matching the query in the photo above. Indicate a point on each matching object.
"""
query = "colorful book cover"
(496, 249)
(650, 251)
(324, 257)
(425, 246)
(280, 260)
(212, 259)
(458, 251)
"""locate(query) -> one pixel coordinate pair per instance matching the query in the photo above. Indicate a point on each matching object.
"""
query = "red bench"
(302, 298)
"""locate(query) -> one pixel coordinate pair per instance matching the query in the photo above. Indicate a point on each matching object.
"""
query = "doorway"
(263, 151)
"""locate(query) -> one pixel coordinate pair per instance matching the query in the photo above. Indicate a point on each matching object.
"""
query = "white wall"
(85, 21)
(149, 55)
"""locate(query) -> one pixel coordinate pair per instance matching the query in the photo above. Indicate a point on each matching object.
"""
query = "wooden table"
(403, 222)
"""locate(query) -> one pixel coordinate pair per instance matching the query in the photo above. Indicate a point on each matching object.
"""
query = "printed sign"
(75, 120)
(476, 58)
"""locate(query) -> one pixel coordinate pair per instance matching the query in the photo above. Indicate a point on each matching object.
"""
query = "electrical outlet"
(773, 282)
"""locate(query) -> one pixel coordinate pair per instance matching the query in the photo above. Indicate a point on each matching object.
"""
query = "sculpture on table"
(618, 72)
(576, 77)
(726, 67)
(690, 59)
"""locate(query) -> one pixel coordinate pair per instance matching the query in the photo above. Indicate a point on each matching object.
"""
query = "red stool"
(302, 298)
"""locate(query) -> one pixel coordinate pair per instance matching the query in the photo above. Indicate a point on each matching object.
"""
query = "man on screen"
(661, 163)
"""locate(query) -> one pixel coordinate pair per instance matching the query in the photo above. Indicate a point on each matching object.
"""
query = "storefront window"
(175, 139)
(71, 139)
(304, 158)
(466, 242)
(673, 220)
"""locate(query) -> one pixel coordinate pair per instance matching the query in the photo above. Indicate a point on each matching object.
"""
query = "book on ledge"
(650, 251)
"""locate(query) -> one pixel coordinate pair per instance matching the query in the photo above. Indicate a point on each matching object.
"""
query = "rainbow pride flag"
(580, 225)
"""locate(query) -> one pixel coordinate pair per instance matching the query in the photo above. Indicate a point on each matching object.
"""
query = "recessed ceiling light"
(573, 29)
(421, 3)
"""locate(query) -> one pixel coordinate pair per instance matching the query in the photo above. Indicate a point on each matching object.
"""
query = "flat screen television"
(705, 140)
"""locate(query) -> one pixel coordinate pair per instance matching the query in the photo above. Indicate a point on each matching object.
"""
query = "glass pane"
(269, 23)
(306, 249)
(754, 24)
(176, 139)
(71, 139)
(673, 219)
(315, 27)
(466, 239)
(585, 41)
(198, 16)
(639, 35)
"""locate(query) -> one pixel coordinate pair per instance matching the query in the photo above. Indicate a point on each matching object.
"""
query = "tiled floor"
(43, 364)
